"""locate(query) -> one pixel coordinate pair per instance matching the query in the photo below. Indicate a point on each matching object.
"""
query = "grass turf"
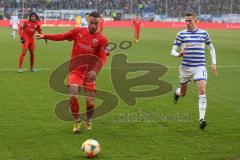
(30, 130)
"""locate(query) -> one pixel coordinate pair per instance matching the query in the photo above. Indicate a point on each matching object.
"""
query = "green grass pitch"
(30, 130)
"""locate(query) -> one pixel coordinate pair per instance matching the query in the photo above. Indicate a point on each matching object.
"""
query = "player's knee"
(90, 103)
(24, 51)
(202, 91)
(183, 93)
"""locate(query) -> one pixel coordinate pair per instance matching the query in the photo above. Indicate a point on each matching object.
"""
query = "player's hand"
(22, 40)
(214, 69)
(39, 36)
(181, 53)
(91, 76)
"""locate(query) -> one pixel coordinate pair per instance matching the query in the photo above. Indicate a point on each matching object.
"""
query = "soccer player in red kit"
(89, 45)
(101, 22)
(26, 32)
(137, 24)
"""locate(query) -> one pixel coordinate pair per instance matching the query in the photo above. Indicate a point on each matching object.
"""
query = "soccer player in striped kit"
(192, 43)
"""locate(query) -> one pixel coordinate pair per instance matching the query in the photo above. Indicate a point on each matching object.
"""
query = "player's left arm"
(212, 53)
(213, 56)
(103, 53)
(39, 29)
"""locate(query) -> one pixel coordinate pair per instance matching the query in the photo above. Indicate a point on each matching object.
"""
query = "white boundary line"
(169, 67)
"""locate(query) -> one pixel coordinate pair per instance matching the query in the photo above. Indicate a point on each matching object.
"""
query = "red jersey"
(137, 23)
(84, 44)
(28, 29)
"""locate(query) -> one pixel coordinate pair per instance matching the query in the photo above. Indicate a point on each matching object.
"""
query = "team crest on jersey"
(80, 35)
(188, 45)
(95, 41)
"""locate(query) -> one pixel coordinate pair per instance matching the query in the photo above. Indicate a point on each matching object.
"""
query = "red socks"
(21, 59)
(31, 60)
(74, 107)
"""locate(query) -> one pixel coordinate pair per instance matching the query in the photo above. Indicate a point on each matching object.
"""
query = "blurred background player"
(14, 22)
(26, 32)
(78, 20)
(90, 42)
(101, 23)
(137, 24)
(85, 21)
(192, 42)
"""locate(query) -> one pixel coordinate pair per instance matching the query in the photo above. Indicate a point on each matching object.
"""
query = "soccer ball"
(90, 148)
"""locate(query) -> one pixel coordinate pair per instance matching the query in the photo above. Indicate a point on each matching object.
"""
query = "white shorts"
(197, 73)
(15, 27)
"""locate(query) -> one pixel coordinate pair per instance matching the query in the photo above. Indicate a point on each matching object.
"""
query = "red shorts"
(76, 77)
(28, 44)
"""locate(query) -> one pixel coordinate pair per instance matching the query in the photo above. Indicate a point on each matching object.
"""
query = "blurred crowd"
(172, 8)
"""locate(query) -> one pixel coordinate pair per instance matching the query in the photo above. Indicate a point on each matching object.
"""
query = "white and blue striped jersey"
(14, 21)
(193, 44)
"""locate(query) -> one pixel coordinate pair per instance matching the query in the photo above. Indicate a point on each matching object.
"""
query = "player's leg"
(32, 60)
(185, 76)
(90, 106)
(90, 90)
(74, 106)
(137, 34)
(32, 56)
(202, 103)
(14, 32)
(201, 79)
(21, 58)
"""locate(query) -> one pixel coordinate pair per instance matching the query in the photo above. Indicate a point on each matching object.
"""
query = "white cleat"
(34, 70)
(20, 70)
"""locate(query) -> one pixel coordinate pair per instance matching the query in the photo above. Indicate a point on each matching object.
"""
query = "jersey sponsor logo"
(194, 45)
(85, 47)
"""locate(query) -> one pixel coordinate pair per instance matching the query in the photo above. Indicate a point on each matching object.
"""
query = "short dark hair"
(94, 14)
(33, 14)
(191, 14)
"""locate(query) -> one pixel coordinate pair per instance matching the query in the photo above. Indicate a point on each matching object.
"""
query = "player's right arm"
(21, 31)
(176, 44)
(57, 37)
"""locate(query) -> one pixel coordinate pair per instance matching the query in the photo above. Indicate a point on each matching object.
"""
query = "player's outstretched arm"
(213, 56)
(53, 37)
(56, 37)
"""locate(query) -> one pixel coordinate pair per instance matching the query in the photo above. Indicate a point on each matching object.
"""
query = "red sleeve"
(60, 37)
(104, 50)
(103, 55)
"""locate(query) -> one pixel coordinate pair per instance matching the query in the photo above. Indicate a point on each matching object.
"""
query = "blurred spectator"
(172, 8)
